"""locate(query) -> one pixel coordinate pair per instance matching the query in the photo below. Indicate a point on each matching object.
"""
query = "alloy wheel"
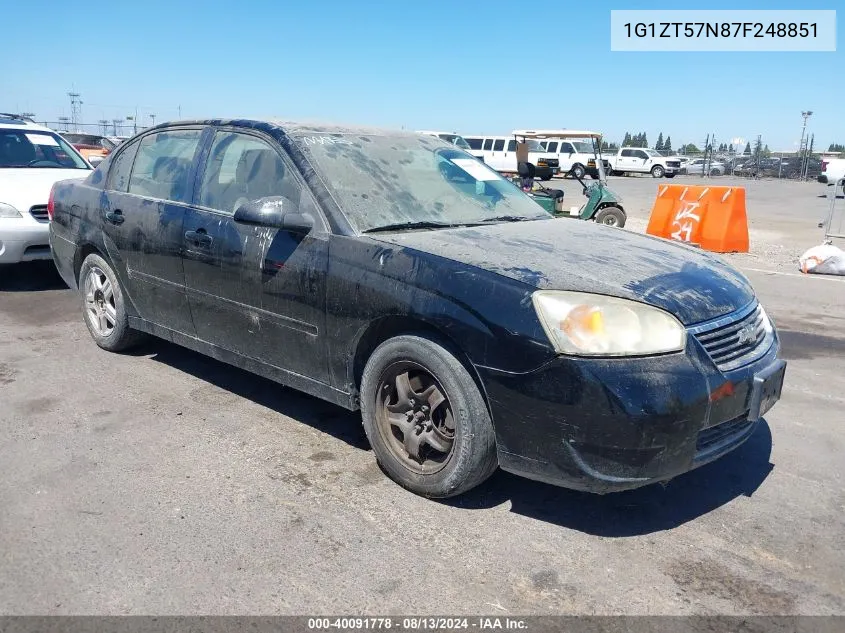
(100, 307)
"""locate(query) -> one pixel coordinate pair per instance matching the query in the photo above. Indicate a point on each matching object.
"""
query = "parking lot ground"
(164, 482)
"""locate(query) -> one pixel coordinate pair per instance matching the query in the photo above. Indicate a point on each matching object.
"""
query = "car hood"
(27, 187)
(569, 254)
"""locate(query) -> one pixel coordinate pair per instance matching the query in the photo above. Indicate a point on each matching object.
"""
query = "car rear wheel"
(104, 307)
(578, 171)
(425, 418)
(657, 171)
(611, 216)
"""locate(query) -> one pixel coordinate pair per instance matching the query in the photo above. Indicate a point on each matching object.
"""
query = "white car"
(697, 166)
(32, 159)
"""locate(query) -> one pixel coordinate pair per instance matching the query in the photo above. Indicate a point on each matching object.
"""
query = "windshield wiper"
(407, 226)
(507, 218)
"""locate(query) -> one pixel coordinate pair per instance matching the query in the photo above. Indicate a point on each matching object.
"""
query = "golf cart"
(602, 205)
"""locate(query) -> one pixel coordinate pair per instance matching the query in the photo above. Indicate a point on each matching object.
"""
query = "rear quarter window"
(121, 166)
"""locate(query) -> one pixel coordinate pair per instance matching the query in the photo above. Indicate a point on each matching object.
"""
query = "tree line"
(640, 140)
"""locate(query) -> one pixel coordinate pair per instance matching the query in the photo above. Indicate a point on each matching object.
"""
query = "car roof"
(294, 128)
(557, 133)
(16, 122)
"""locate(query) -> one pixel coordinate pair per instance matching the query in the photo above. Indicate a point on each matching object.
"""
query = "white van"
(455, 139)
(499, 152)
(576, 156)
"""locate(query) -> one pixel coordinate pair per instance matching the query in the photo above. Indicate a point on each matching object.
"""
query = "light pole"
(153, 119)
(64, 121)
(806, 114)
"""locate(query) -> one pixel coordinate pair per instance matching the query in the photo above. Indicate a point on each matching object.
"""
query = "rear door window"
(627, 152)
(488, 144)
(162, 167)
(511, 145)
(499, 145)
(474, 143)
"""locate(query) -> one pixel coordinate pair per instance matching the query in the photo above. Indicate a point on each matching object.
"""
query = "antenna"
(75, 109)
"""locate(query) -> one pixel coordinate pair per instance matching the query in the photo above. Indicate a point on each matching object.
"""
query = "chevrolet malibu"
(395, 274)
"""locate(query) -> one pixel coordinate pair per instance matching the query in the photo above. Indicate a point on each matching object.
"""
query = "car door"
(256, 291)
(566, 154)
(498, 154)
(643, 161)
(487, 152)
(143, 205)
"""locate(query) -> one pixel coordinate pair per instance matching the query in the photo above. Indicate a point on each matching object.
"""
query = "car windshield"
(382, 180)
(456, 140)
(37, 149)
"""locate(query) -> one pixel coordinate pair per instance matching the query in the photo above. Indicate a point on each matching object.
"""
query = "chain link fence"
(779, 165)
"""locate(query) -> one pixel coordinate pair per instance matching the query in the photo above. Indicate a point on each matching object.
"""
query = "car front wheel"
(657, 171)
(425, 418)
(104, 307)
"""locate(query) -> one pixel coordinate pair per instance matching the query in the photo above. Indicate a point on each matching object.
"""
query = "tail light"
(51, 204)
(824, 165)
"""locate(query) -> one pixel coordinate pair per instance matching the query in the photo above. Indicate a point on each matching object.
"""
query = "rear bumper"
(23, 240)
(609, 425)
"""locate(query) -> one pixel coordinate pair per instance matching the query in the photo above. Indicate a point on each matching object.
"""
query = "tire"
(594, 176)
(459, 424)
(104, 306)
(578, 171)
(613, 172)
(545, 178)
(611, 216)
(715, 172)
(670, 175)
(657, 171)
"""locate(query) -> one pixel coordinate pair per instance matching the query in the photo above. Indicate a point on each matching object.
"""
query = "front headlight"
(8, 211)
(585, 324)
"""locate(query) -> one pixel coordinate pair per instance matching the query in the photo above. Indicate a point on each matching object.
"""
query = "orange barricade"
(710, 217)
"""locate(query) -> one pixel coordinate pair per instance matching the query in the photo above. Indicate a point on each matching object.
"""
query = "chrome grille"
(39, 212)
(736, 339)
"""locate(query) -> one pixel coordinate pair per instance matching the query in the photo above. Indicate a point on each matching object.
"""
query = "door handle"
(115, 217)
(199, 237)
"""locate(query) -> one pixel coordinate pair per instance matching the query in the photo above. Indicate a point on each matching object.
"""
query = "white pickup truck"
(641, 160)
(833, 170)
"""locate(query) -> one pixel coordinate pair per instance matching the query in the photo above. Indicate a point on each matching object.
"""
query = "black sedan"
(395, 273)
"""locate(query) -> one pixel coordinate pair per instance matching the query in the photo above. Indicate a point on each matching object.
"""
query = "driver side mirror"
(276, 212)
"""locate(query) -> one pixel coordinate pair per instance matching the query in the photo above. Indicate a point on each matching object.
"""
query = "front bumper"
(23, 240)
(603, 425)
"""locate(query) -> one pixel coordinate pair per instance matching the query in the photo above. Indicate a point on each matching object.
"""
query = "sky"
(467, 66)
